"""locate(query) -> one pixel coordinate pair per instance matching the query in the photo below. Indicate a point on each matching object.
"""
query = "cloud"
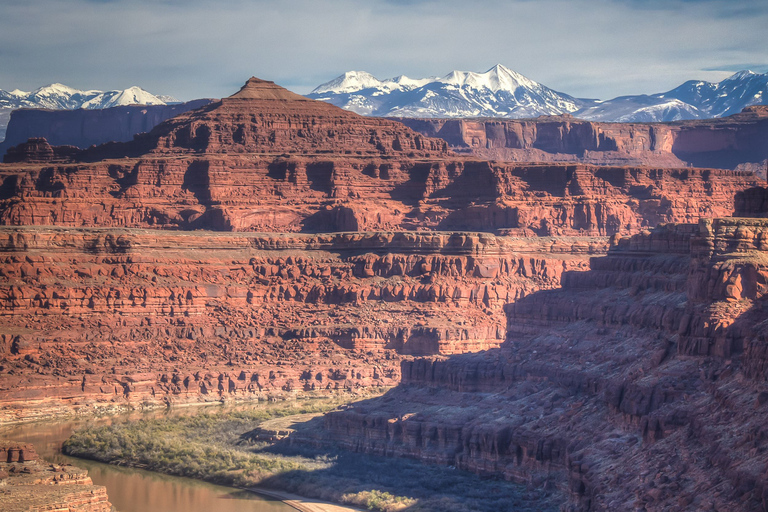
(195, 48)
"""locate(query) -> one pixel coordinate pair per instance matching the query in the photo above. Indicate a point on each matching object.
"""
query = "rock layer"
(592, 368)
(640, 384)
(28, 484)
(293, 194)
(104, 318)
(737, 141)
(266, 159)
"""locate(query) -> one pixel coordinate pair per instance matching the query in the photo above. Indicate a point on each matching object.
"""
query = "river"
(136, 490)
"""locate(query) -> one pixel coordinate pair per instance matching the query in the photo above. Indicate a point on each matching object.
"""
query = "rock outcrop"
(37, 150)
(28, 484)
(734, 142)
(639, 384)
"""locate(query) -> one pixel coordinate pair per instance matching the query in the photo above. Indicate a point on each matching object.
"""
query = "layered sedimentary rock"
(297, 193)
(37, 150)
(590, 366)
(83, 128)
(28, 484)
(100, 318)
(641, 384)
(737, 141)
(266, 159)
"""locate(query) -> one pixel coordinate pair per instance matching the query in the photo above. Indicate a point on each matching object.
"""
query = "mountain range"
(502, 92)
(498, 92)
(61, 97)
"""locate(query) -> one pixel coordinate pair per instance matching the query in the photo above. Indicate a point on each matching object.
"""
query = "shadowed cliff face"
(734, 142)
(641, 382)
(83, 128)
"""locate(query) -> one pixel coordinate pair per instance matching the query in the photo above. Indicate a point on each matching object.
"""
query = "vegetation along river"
(136, 490)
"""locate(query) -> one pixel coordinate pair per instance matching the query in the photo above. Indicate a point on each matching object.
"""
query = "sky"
(209, 48)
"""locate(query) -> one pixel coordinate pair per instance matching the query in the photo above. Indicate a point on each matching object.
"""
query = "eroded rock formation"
(735, 142)
(83, 128)
(266, 159)
(30, 484)
(640, 384)
(109, 317)
(548, 360)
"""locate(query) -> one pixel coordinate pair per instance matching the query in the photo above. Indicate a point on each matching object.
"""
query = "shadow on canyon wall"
(640, 365)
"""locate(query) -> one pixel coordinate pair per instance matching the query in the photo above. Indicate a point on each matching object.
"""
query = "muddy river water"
(136, 490)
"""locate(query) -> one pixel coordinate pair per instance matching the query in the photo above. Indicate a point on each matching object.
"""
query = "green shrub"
(208, 446)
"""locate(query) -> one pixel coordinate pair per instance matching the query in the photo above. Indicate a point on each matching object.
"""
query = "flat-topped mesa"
(733, 142)
(264, 118)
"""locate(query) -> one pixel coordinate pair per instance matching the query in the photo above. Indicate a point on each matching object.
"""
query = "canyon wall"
(295, 193)
(734, 142)
(641, 383)
(83, 128)
(332, 251)
(265, 159)
(103, 318)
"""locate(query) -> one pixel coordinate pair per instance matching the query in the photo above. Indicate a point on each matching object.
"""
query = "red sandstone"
(28, 484)
(632, 379)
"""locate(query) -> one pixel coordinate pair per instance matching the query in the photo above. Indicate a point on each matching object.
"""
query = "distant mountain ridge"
(61, 97)
(501, 92)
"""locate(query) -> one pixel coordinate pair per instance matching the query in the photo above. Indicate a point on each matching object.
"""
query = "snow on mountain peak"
(135, 96)
(498, 78)
(498, 91)
(55, 89)
(351, 81)
(504, 78)
(741, 75)
(58, 96)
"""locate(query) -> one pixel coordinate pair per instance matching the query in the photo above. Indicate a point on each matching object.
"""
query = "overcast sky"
(197, 48)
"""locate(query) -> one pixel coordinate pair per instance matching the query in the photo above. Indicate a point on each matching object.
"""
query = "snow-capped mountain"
(692, 100)
(640, 109)
(499, 92)
(62, 97)
(724, 98)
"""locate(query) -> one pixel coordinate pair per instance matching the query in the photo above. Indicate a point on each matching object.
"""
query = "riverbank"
(303, 504)
(276, 449)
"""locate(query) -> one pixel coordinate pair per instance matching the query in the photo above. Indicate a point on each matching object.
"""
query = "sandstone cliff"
(106, 318)
(538, 358)
(321, 194)
(640, 384)
(266, 159)
(734, 142)
(28, 484)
